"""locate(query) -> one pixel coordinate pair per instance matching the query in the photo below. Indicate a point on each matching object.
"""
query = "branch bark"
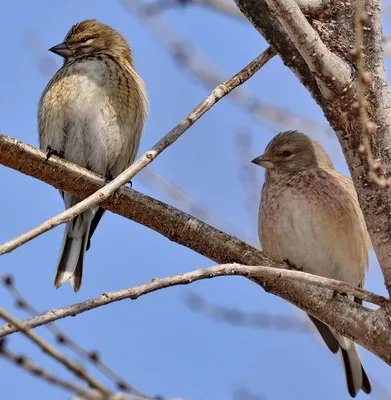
(336, 29)
(367, 327)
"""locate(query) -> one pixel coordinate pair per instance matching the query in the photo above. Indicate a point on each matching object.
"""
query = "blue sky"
(156, 342)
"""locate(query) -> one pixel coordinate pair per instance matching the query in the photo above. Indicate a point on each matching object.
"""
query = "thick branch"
(349, 318)
(200, 237)
(337, 31)
(323, 64)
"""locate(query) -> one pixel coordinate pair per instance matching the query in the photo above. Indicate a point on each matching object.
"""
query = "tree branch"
(61, 338)
(36, 370)
(205, 71)
(53, 352)
(348, 317)
(323, 64)
(369, 328)
(105, 192)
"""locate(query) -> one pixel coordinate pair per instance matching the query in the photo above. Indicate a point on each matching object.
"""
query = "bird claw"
(292, 266)
(51, 152)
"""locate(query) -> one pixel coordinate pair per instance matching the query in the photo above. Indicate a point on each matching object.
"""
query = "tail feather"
(327, 335)
(366, 384)
(356, 377)
(68, 259)
(76, 237)
(77, 276)
(70, 265)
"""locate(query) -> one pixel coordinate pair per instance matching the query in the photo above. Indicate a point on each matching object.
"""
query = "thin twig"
(220, 6)
(217, 94)
(65, 340)
(251, 272)
(77, 370)
(308, 7)
(36, 370)
(365, 79)
(150, 177)
(203, 69)
(240, 318)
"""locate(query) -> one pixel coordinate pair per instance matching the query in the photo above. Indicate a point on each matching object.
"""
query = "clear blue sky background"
(156, 342)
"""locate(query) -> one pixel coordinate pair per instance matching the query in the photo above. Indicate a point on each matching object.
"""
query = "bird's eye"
(286, 153)
(84, 40)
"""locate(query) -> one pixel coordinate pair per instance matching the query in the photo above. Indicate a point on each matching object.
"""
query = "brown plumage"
(310, 216)
(92, 113)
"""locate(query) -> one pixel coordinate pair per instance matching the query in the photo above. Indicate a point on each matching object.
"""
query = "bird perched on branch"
(310, 217)
(91, 113)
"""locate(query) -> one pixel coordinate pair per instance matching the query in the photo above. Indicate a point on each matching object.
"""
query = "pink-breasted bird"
(310, 217)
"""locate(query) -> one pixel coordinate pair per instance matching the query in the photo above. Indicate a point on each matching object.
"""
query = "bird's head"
(91, 36)
(292, 151)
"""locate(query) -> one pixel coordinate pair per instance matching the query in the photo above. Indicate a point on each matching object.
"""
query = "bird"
(310, 217)
(92, 113)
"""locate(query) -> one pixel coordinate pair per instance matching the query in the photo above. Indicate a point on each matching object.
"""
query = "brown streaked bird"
(310, 217)
(91, 113)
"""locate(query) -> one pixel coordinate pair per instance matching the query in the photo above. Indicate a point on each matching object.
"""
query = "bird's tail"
(70, 264)
(356, 377)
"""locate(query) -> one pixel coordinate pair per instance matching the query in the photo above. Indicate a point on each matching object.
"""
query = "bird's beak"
(264, 161)
(62, 50)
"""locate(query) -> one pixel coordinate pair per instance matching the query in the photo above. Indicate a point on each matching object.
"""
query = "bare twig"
(77, 370)
(148, 176)
(252, 272)
(65, 340)
(241, 318)
(365, 79)
(221, 6)
(209, 74)
(36, 370)
(308, 7)
(217, 94)
(177, 194)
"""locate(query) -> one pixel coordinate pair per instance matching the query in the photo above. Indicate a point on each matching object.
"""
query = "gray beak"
(264, 161)
(62, 50)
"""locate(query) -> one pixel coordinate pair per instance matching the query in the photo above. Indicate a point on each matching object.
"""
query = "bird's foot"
(292, 266)
(51, 152)
(109, 178)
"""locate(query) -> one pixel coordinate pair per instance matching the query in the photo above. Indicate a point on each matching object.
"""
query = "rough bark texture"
(369, 328)
(336, 28)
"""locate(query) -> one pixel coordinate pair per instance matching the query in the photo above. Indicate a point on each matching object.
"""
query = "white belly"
(82, 124)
